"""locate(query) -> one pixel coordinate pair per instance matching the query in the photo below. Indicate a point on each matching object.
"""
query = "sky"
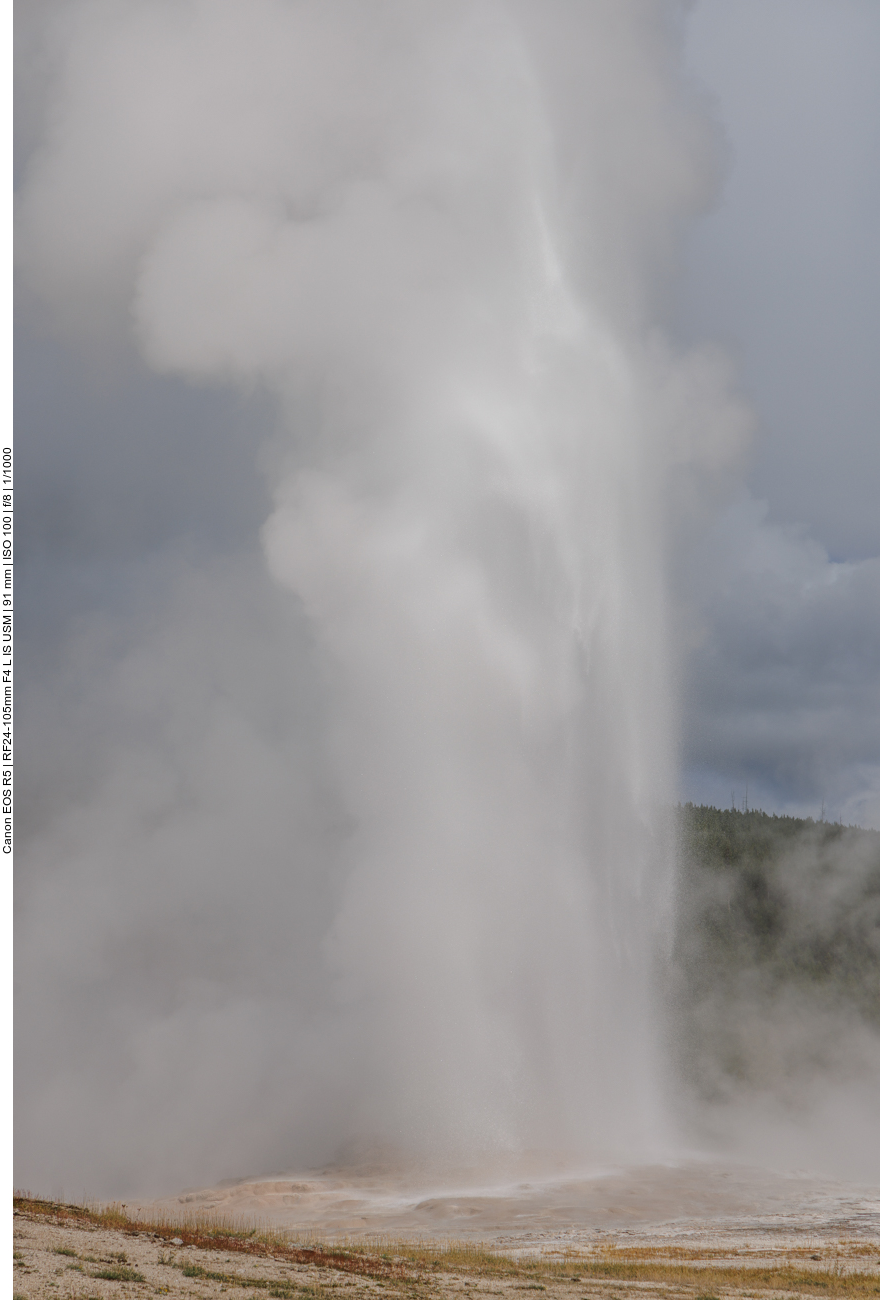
(782, 694)
(219, 682)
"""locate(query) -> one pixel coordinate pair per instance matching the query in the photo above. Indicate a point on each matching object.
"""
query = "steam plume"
(368, 853)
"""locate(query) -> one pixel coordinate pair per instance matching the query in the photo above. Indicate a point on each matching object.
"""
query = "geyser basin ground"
(693, 1230)
(726, 1206)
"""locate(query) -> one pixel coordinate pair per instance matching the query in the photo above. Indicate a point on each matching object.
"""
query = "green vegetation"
(777, 949)
(119, 1273)
(273, 1286)
(797, 898)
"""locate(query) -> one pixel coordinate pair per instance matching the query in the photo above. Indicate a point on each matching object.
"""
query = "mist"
(776, 973)
(345, 821)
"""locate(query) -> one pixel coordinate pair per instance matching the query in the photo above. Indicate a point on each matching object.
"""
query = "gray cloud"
(787, 270)
(783, 692)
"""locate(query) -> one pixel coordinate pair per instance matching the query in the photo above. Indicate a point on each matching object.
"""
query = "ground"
(70, 1253)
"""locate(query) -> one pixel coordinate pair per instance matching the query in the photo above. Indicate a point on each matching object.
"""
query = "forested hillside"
(777, 952)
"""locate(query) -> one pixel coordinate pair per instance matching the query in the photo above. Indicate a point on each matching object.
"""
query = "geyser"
(432, 233)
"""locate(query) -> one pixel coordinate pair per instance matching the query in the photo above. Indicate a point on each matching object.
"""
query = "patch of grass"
(119, 1273)
(65, 1250)
(196, 1270)
(274, 1286)
(781, 1277)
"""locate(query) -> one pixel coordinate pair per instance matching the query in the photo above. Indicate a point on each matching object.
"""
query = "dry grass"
(418, 1266)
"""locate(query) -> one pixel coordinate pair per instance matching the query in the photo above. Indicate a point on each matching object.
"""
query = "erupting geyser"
(431, 232)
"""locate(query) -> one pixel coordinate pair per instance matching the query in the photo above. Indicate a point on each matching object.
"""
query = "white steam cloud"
(364, 849)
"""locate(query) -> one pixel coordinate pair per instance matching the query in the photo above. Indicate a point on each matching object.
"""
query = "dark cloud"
(783, 689)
